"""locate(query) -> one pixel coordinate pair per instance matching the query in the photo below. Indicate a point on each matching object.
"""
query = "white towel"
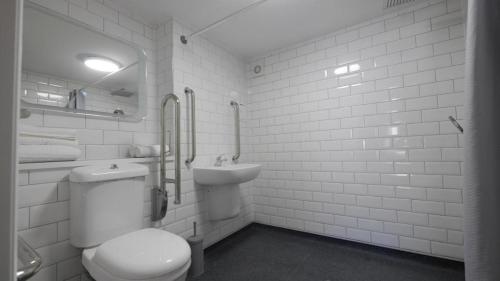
(138, 151)
(43, 132)
(30, 140)
(47, 153)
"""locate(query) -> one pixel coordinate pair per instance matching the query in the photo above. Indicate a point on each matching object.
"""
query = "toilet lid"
(143, 254)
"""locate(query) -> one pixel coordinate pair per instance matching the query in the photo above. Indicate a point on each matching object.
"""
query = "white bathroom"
(173, 140)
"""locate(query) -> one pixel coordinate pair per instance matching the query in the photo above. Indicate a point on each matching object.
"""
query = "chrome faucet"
(76, 99)
(218, 161)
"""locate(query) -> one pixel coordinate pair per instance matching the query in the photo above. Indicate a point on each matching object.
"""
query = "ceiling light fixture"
(101, 64)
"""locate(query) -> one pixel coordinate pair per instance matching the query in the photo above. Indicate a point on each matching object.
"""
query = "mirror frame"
(142, 71)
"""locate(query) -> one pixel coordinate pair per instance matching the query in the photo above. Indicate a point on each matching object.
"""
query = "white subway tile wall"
(353, 133)
(351, 129)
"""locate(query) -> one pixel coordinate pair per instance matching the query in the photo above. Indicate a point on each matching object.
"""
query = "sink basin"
(232, 174)
(222, 188)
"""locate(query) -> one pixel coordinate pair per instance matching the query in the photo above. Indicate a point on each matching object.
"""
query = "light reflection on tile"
(341, 70)
(354, 67)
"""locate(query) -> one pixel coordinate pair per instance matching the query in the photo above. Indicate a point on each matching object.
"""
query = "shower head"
(122, 93)
(394, 3)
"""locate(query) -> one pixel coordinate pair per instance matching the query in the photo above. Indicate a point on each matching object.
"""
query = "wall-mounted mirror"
(71, 67)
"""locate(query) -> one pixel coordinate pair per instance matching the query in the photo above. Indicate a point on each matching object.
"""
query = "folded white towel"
(138, 151)
(47, 153)
(30, 140)
(44, 132)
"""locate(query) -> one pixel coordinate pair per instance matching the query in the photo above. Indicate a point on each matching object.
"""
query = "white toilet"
(106, 212)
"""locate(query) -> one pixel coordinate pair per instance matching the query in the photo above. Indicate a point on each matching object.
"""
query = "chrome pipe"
(177, 161)
(184, 38)
(236, 107)
(190, 94)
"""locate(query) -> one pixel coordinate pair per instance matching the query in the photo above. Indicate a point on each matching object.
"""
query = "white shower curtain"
(482, 142)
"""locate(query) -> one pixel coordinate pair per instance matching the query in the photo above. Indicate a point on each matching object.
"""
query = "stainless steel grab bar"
(29, 262)
(177, 160)
(160, 196)
(190, 93)
(236, 107)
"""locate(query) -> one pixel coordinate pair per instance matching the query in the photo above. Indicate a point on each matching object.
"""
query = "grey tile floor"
(261, 253)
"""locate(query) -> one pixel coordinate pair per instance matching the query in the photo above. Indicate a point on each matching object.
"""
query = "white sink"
(222, 188)
(232, 174)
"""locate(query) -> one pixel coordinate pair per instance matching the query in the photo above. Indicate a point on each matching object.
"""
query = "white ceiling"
(269, 26)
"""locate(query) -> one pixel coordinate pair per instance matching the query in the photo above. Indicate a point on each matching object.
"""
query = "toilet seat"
(146, 255)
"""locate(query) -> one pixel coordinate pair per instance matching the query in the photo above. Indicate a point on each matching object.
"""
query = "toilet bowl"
(106, 215)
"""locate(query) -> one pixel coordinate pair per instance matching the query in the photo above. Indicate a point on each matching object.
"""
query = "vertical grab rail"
(177, 161)
(190, 93)
(160, 196)
(236, 107)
